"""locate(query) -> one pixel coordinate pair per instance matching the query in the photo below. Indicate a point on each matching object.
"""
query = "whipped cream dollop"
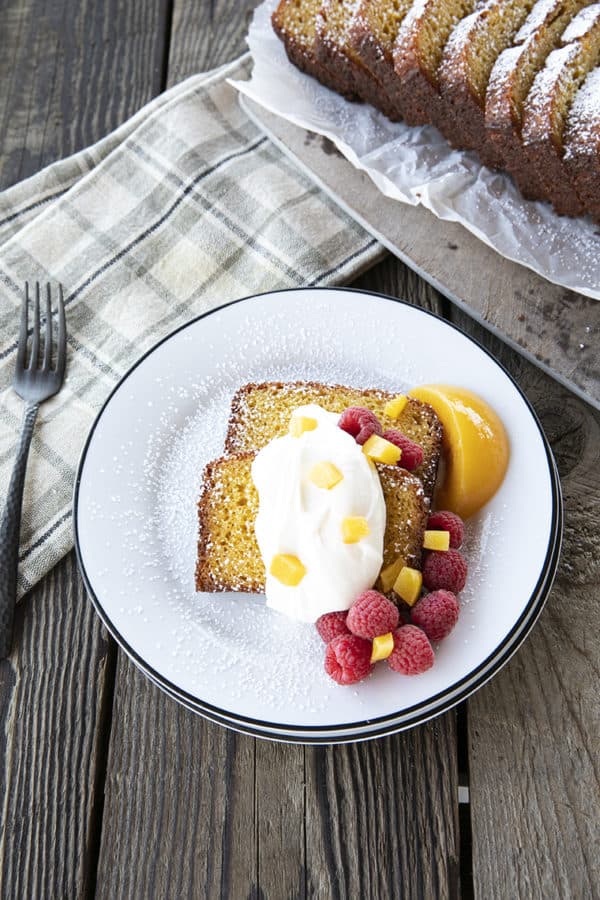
(298, 518)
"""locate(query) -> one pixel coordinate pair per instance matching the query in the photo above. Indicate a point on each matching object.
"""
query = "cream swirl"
(298, 518)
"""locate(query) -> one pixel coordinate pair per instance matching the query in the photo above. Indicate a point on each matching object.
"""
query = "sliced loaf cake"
(335, 53)
(418, 52)
(260, 412)
(295, 22)
(371, 37)
(513, 74)
(469, 57)
(582, 144)
(543, 175)
(228, 555)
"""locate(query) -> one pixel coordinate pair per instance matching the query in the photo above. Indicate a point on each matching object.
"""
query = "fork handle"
(9, 533)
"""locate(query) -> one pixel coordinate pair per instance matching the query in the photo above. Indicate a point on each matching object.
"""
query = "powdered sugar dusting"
(176, 455)
(139, 487)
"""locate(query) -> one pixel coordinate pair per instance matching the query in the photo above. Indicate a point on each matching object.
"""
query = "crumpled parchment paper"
(416, 165)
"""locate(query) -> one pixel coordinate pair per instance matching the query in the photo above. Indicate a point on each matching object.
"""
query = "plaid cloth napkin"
(184, 207)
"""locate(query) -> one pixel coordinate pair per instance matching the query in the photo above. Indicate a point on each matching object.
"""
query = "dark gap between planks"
(106, 710)
(464, 806)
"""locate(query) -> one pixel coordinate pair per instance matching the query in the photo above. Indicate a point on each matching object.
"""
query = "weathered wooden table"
(110, 789)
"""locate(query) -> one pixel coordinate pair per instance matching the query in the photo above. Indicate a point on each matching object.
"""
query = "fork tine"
(22, 346)
(35, 344)
(48, 338)
(62, 335)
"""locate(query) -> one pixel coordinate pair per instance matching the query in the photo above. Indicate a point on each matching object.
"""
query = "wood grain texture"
(55, 692)
(534, 730)
(70, 72)
(280, 798)
(382, 816)
(208, 34)
(180, 815)
(393, 278)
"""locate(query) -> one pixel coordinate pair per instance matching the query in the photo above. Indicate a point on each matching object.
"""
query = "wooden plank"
(280, 820)
(206, 35)
(392, 277)
(179, 815)
(382, 816)
(555, 328)
(55, 699)
(534, 731)
(70, 72)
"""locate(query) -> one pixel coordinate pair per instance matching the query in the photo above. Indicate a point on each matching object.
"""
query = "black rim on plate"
(382, 725)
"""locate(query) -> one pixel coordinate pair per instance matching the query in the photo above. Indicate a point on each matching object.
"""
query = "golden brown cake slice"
(372, 33)
(543, 175)
(228, 554)
(582, 144)
(513, 74)
(334, 51)
(469, 56)
(295, 21)
(418, 52)
(260, 412)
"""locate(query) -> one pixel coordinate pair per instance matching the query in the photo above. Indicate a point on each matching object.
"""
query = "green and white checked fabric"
(184, 207)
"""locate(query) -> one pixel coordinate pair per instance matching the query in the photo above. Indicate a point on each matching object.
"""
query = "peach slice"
(476, 447)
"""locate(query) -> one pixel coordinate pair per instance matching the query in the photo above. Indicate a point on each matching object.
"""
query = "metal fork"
(34, 382)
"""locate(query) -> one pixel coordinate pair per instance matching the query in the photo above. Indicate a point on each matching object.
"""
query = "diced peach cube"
(390, 573)
(394, 407)
(382, 451)
(382, 646)
(300, 424)
(436, 540)
(287, 569)
(354, 529)
(408, 585)
(325, 475)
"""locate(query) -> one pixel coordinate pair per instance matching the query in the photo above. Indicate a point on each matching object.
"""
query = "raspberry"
(412, 653)
(412, 454)
(348, 658)
(332, 624)
(361, 423)
(447, 521)
(436, 614)
(372, 614)
(445, 569)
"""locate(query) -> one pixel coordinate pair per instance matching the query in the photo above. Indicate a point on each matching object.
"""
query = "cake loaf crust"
(260, 412)
(418, 52)
(469, 57)
(334, 51)
(513, 75)
(582, 144)
(295, 22)
(371, 36)
(227, 509)
(544, 176)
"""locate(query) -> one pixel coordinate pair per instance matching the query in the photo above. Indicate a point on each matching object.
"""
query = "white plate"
(225, 655)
